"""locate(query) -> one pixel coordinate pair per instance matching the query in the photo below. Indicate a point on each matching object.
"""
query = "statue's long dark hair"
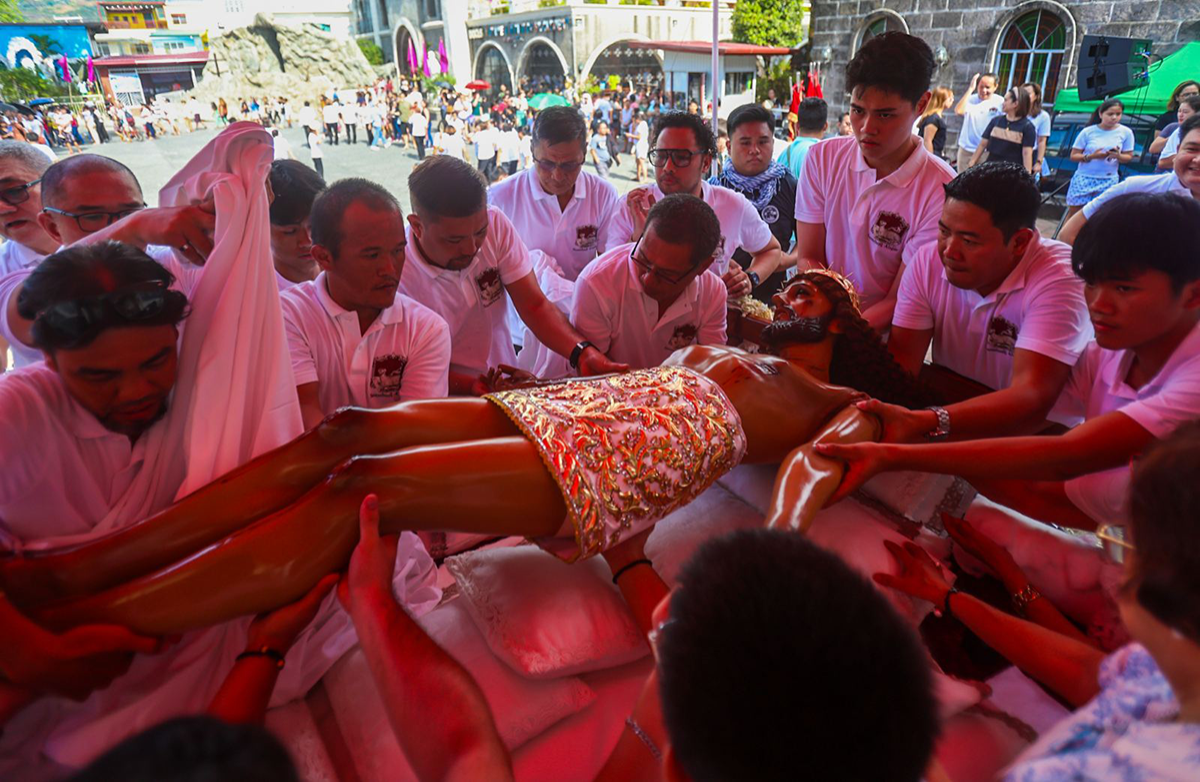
(860, 359)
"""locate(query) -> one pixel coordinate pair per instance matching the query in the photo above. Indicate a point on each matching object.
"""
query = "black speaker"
(1109, 65)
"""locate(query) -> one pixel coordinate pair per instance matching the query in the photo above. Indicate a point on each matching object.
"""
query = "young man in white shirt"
(866, 202)
(308, 120)
(331, 113)
(977, 107)
(682, 157)
(466, 260)
(1183, 180)
(641, 302)
(487, 150)
(420, 128)
(26, 242)
(450, 142)
(353, 339)
(1137, 382)
(349, 114)
(1000, 305)
(295, 186)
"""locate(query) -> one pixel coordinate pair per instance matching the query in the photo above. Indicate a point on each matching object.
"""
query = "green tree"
(22, 84)
(770, 22)
(371, 51)
(10, 13)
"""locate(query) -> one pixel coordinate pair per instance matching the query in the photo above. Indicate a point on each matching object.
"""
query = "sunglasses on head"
(76, 318)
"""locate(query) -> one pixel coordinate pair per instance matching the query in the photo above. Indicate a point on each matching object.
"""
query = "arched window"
(1032, 49)
(878, 23)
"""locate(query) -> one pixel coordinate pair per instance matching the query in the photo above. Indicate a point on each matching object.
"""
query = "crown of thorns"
(841, 280)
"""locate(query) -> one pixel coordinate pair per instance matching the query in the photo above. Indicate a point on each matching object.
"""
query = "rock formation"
(272, 59)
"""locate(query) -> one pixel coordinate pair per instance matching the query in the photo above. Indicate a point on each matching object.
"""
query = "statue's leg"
(497, 486)
(807, 479)
(257, 488)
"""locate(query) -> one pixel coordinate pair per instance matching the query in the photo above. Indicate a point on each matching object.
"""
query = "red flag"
(812, 87)
(794, 108)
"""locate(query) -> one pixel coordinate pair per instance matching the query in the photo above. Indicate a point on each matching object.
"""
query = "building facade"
(1035, 40)
(146, 50)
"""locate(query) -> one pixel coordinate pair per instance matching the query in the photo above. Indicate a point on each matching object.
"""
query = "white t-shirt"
(307, 117)
(871, 226)
(314, 145)
(15, 256)
(510, 146)
(526, 151)
(572, 236)
(1039, 307)
(1094, 138)
(1041, 126)
(1151, 183)
(420, 125)
(472, 301)
(332, 113)
(452, 145)
(404, 354)
(486, 143)
(612, 310)
(1172, 145)
(350, 114)
(1097, 386)
(979, 113)
(741, 225)
(283, 150)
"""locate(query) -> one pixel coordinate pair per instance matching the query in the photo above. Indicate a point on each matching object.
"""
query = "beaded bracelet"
(265, 651)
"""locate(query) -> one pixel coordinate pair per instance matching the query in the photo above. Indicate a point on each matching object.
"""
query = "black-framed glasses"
(642, 262)
(682, 158)
(76, 318)
(549, 166)
(18, 194)
(1114, 540)
(94, 221)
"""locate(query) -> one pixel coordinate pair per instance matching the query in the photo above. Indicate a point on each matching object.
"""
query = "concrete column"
(458, 48)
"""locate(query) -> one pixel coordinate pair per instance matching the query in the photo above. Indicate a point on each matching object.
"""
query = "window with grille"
(1032, 50)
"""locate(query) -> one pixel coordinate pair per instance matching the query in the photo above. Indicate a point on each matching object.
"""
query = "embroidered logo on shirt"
(1002, 335)
(489, 286)
(684, 335)
(387, 372)
(889, 230)
(586, 237)
(770, 214)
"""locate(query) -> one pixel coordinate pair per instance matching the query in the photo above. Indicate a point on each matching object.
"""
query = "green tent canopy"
(1165, 75)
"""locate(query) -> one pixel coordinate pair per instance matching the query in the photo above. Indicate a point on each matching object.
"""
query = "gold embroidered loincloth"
(626, 450)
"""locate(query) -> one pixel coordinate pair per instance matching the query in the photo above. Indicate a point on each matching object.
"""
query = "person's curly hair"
(860, 359)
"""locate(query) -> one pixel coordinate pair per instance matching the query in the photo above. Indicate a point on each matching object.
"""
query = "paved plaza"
(156, 161)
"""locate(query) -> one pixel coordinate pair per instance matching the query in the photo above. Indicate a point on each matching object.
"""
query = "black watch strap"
(755, 280)
(577, 352)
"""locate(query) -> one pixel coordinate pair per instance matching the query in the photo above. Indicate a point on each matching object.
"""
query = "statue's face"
(803, 315)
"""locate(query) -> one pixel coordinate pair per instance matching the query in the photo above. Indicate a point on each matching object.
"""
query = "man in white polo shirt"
(295, 186)
(353, 339)
(1000, 305)
(866, 202)
(682, 156)
(641, 302)
(487, 149)
(1137, 382)
(977, 107)
(1183, 180)
(25, 242)
(465, 260)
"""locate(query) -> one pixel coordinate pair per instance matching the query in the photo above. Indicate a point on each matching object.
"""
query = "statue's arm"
(807, 479)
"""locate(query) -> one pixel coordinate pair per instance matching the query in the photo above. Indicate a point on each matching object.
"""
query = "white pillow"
(546, 618)
(715, 512)
(522, 708)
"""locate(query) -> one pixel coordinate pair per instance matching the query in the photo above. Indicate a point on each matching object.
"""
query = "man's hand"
(505, 378)
(188, 229)
(737, 282)
(73, 663)
(919, 577)
(593, 362)
(373, 562)
(863, 462)
(278, 629)
(989, 553)
(900, 425)
(638, 202)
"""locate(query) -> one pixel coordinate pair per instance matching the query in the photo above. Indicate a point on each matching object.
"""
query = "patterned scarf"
(758, 189)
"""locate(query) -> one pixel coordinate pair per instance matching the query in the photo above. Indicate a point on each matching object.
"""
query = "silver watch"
(943, 424)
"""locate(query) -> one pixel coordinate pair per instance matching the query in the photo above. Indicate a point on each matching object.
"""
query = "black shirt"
(780, 216)
(939, 137)
(1006, 139)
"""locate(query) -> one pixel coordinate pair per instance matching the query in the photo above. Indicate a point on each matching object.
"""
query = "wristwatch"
(943, 424)
(577, 352)
(755, 280)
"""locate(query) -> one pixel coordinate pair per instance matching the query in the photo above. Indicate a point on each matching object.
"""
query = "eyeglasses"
(1114, 541)
(642, 262)
(548, 166)
(94, 221)
(656, 633)
(19, 194)
(682, 158)
(76, 318)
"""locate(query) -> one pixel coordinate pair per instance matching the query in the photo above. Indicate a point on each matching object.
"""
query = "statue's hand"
(900, 425)
(919, 577)
(863, 462)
